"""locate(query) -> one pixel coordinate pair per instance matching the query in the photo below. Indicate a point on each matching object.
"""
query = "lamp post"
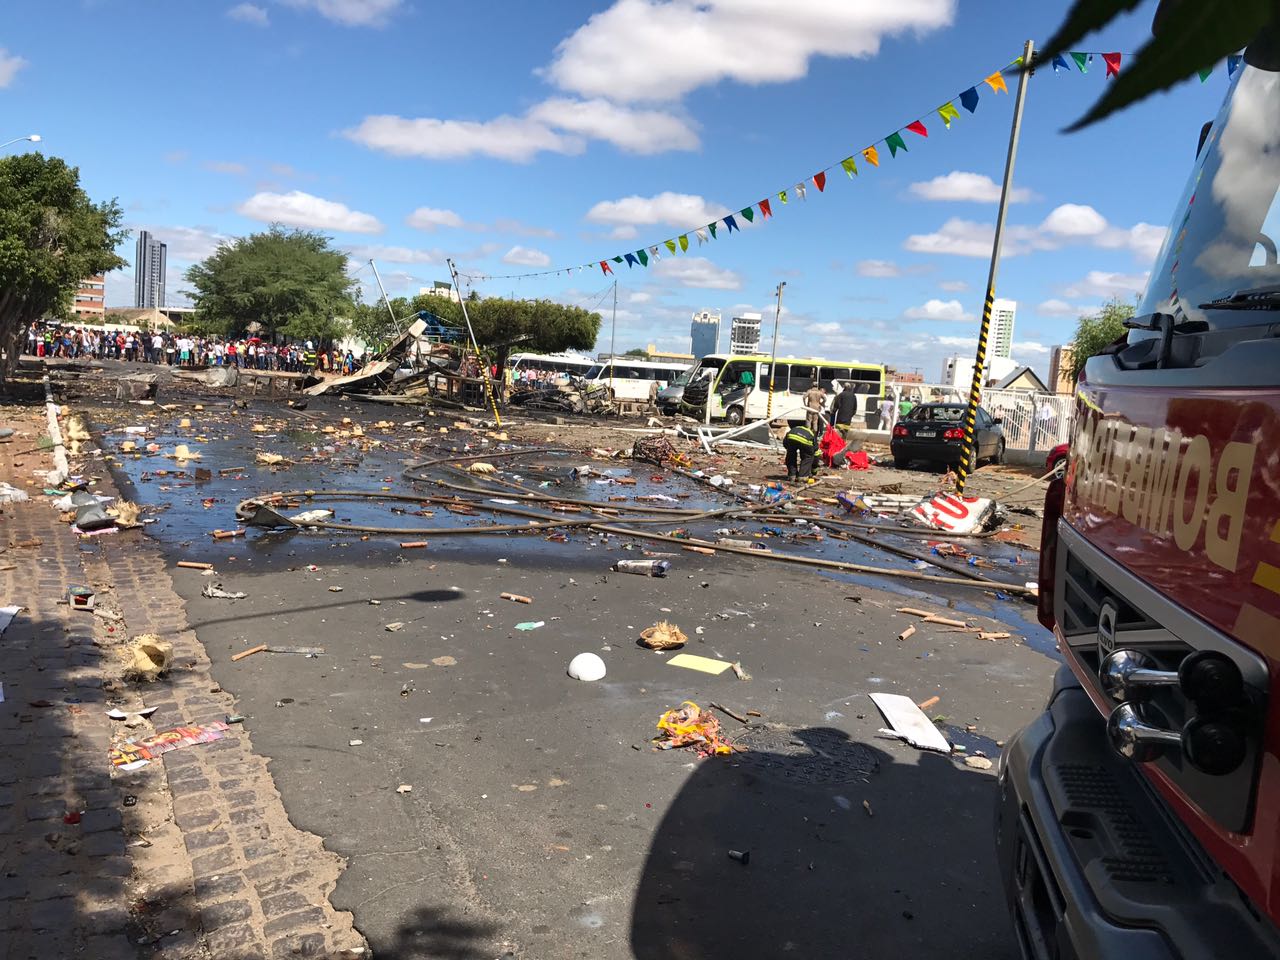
(773, 356)
(34, 138)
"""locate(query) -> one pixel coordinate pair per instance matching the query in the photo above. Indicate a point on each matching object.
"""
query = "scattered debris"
(531, 625)
(80, 598)
(587, 667)
(727, 712)
(909, 722)
(931, 702)
(404, 788)
(445, 661)
(148, 657)
(136, 753)
(6, 617)
(741, 674)
(742, 856)
(215, 591)
(690, 725)
(692, 661)
(644, 568)
(663, 636)
(907, 633)
(248, 653)
(516, 598)
(978, 763)
(394, 626)
(866, 805)
(194, 565)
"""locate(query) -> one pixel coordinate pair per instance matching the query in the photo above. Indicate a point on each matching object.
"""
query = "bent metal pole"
(967, 456)
(484, 367)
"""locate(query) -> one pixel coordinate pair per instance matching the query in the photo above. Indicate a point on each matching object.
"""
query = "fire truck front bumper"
(1093, 863)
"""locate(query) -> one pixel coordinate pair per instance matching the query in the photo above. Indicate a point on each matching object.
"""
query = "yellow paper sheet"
(701, 664)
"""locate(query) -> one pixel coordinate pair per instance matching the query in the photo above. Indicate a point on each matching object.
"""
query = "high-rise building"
(440, 288)
(958, 371)
(744, 334)
(90, 303)
(148, 272)
(1000, 341)
(705, 333)
(1060, 360)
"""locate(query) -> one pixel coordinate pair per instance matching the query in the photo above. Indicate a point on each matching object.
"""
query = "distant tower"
(1003, 313)
(744, 334)
(705, 334)
(148, 272)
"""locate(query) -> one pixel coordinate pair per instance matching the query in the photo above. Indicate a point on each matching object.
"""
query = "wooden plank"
(248, 653)
(909, 723)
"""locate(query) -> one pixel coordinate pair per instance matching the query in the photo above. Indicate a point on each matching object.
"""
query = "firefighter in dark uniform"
(802, 447)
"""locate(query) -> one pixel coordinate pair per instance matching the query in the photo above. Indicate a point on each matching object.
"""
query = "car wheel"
(999, 457)
(734, 416)
(901, 462)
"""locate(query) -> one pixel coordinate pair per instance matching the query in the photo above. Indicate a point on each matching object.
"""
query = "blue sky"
(516, 136)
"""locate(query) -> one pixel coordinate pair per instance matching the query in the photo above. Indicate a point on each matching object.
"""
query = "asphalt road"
(535, 826)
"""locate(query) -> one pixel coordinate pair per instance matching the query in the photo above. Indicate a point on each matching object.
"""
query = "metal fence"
(1032, 421)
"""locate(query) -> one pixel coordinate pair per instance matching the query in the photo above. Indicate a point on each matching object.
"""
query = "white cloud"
(1069, 223)
(956, 237)
(970, 342)
(9, 67)
(1028, 346)
(394, 254)
(822, 328)
(351, 13)
(635, 131)
(1056, 308)
(1074, 220)
(503, 225)
(684, 211)
(1101, 283)
(1144, 239)
(878, 268)
(283, 170)
(639, 297)
(526, 257)
(250, 13)
(952, 310)
(663, 49)
(557, 125)
(697, 272)
(960, 185)
(226, 166)
(429, 218)
(954, 286)
(624, 232)
(298, 209)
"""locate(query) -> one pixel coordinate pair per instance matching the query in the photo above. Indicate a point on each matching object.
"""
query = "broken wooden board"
(909, 723)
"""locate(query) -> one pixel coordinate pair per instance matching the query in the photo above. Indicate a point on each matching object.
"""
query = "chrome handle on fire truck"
(1133, 737)
(1206, 677)
(1130, 674)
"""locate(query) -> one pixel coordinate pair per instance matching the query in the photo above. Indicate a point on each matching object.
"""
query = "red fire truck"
(1139, 815)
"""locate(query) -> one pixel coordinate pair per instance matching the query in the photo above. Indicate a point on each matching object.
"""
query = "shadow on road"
(908, 874)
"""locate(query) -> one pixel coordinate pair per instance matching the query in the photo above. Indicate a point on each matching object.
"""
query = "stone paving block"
(219, 861)
(304, 921)
(304, 945)
(225, 914)
(205, 839)
(193, 818)
(220, 886)
(106, 844)
(95, 820)
(110, 919)
(53, 914)
(113, 947)
(231, 941)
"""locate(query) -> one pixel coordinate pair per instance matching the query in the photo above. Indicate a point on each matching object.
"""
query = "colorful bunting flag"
(642, 257)
(702, 235)
(820, 180)
(948, 112)
(617, 259)
(713, 227)
(1082, 61)
(684, 242)
(653, 252)
(1060, 61)
(849, 167)
(801, 191)
(731, 223)
(782, 195)
(996, 82)
(1233, 64)
(895, 143)
(765, 210)
(969, 99)
(1204, 74)
(872, 156)
(671, 245)
(919, 128)
(749, 214)
(605, 268)
(631, 260)
(1112, 60)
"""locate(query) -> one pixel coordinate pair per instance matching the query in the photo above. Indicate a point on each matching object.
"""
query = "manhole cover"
(806, 755)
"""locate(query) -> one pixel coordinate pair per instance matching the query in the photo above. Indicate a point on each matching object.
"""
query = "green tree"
(499, 323)
(52, 236)
(1097, 332)
(638, 353)
(289, 281)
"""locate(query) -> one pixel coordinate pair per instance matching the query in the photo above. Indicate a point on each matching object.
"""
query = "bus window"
(830, 375)
(801, 379)
(739, 374)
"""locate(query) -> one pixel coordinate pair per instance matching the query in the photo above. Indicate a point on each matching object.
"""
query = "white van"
(630, 379)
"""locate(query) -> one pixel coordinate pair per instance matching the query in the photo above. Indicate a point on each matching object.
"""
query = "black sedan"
(935, 432)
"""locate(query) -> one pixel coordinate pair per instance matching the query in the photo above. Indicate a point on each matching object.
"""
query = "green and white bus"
(737, 386)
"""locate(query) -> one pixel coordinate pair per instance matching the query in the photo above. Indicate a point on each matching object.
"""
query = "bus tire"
(734, 415)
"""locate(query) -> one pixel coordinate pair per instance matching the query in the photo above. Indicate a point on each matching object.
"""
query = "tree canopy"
(52, 236)
(292, 282)
(1096, 332)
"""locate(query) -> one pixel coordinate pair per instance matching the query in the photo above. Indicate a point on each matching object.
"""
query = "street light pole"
(773, 357)
(33, 137)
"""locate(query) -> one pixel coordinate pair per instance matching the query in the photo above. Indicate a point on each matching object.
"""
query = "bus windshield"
(593, 373)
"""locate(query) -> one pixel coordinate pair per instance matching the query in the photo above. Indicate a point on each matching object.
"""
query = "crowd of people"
(185, 350)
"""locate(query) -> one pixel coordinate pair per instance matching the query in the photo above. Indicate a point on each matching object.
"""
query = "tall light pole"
(33, 137)
(773, 357)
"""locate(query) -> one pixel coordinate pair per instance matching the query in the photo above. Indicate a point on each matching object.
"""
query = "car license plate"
(926, 433)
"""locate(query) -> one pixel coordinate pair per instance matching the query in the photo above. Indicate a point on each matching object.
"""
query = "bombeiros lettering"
(1168, 484)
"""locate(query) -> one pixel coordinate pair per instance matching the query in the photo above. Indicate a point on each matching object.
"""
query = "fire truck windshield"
(1223, 240)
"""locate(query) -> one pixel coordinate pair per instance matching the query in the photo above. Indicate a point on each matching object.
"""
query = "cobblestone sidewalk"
(191, 856)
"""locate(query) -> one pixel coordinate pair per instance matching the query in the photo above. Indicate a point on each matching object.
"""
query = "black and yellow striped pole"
(968, 460)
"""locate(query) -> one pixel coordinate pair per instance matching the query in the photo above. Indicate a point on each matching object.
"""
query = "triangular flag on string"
(801, 191)
(820, 180)
(631, 260)
(605, 268)
(684, 242)
(1112, 60)
(996, 82)
(702, 235)
(1059, 61)
(1082, 61)
(1233, 64)
(849, 167)
(948, 112)
(731, 223)
(653, 252)
(919, 128)
(895, 143)
(969, 99)
(1204, 74)
(671, 245)
(642, 257)
(749, 214)
(713, 227)
(782, 195)
(766, 211)
(872, 156)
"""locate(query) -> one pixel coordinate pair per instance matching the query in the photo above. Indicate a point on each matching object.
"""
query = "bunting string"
(969, 99)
